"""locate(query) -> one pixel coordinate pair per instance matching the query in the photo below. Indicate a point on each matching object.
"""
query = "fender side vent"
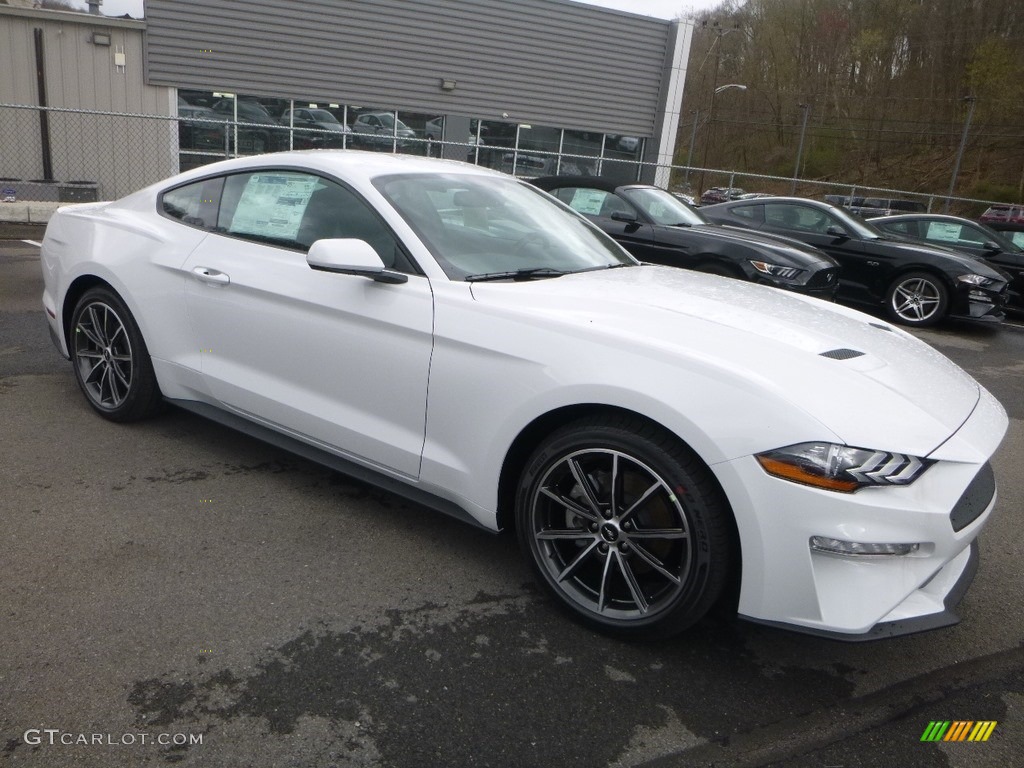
(881, 327)
(841, 354)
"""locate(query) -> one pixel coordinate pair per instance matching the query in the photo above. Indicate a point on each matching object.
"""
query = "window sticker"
(588, 201)
(944, 231)
(272, 205)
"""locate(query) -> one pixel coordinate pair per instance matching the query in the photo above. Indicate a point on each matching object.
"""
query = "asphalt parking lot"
(173, 581)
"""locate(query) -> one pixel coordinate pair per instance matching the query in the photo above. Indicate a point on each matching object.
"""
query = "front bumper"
(982, 304)
(787, 583)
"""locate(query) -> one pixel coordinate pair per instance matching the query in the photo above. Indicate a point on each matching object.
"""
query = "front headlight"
(776, 270)
(972, 279)
(840, 467)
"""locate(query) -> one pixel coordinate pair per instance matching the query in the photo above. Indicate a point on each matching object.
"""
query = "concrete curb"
(28, 212)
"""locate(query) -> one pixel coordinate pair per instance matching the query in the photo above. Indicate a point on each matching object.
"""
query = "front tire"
(624, 526)
(917, 299)
(111, 362)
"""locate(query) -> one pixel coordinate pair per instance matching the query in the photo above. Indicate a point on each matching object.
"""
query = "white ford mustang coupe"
(661, 440)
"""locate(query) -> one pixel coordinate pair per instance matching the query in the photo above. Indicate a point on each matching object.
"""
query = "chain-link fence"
(65, 155)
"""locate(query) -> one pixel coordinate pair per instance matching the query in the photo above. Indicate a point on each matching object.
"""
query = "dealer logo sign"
(958, 730)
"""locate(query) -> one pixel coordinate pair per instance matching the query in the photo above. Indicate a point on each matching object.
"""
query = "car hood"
(954, 258)
(778, 243)
(871, 384)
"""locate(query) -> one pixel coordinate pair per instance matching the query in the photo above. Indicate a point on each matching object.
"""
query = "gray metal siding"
(81, 75)
(549, 62)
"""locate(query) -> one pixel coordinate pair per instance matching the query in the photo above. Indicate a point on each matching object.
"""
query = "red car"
(1003, 214)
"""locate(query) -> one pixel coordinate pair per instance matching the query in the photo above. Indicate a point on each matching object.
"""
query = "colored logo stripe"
(959, 730)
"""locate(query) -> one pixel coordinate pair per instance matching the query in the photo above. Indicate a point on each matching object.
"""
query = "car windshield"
(662, 207)
(486, 226)
(1004, 242)
(865, 230)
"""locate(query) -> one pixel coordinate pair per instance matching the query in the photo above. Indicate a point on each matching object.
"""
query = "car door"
(616, 216)
(863, 266)
(338, 360)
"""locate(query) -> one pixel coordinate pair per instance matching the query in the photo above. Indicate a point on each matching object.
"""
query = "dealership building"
(531, 87)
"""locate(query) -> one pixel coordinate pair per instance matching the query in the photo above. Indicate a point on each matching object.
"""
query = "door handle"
(211, 276)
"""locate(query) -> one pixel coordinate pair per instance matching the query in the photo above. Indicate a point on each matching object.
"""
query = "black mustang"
(658, 227)
(918, 285)
(968, 236)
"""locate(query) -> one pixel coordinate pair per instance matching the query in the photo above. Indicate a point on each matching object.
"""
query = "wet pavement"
(174, 581)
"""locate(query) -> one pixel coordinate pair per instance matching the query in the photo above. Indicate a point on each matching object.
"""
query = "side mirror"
(991, 247)
(351, 257)
(837, 232)
(627, 217)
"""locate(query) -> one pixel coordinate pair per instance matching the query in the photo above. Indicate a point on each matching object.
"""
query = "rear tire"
(111, 362)
(625, 526)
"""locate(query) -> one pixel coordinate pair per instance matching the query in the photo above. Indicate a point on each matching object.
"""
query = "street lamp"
(711, 116)
(960, 152)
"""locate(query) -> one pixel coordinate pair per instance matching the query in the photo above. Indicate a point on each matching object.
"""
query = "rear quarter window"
(193, 204)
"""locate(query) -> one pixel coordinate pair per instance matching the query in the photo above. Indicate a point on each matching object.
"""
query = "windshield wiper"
(517, 275)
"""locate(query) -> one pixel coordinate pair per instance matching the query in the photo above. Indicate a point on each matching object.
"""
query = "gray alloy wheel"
(917, 299)
(625, 527)
(111, 363)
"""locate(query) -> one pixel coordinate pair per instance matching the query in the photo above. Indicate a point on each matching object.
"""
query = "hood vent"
(842, 354)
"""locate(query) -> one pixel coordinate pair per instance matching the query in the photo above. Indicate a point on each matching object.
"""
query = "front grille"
(823, 278)
(975, 499)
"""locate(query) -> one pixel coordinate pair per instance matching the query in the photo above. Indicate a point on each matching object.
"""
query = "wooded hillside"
(884, 82)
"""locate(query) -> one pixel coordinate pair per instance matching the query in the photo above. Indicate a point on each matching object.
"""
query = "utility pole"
(720, 32)
(689, 155)
(960, 152)
(800, 152)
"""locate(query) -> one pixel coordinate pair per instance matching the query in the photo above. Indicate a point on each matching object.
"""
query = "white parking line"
(33, 242)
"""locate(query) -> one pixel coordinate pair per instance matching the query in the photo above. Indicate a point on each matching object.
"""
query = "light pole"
(960, 152)
(711, 115)
(800, 151)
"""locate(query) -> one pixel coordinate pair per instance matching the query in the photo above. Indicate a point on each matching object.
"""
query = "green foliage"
(884, 80)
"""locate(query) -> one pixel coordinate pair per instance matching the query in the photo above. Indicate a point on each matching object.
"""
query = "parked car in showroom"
(968, 237)
(380, 130)
(255, 134)
(657, 227)
(199, 128)
(916, 284)
(315, 128)
(661, 440)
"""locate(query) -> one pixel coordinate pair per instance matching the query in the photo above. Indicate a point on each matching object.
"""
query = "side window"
(908, 228)
(952, 233)
(592, 202)
(799, 217)
(746, 212)
(294, 210)
(781, 215)
(195, 204)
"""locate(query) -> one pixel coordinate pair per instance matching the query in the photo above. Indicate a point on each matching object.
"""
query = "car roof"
(594, 182)
(928, 216)
(337, 161)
